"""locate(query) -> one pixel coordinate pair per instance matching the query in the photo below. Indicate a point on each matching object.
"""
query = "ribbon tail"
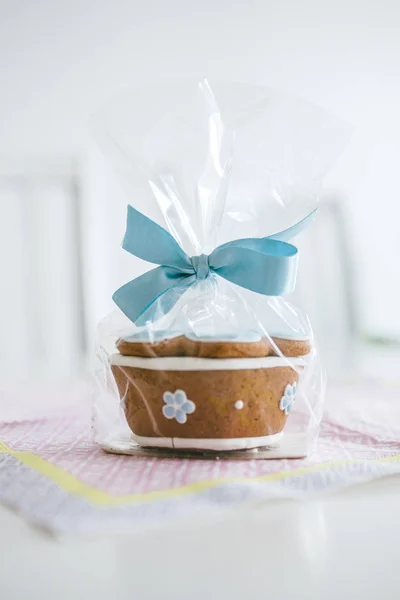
(265, 266)
(153, 294)
(291, 232)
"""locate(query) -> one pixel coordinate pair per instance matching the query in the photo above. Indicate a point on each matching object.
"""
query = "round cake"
(203, 393)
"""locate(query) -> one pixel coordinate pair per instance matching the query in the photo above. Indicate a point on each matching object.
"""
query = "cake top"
(249, 344)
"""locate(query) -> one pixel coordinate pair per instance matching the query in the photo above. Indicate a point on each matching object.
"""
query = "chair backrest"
(326, 287)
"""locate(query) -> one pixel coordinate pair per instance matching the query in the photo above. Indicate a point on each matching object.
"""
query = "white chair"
(60, 230)
(327, 284)
(41, 309)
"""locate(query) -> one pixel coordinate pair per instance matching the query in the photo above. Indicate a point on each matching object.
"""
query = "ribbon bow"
(264, 265)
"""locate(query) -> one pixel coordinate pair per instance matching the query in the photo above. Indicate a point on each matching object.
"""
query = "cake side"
(206, 403)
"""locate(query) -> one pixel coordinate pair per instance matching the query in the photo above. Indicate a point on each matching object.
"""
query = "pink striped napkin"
(52, 472)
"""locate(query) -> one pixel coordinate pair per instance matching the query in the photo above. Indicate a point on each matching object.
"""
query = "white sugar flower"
(177, 406)
(288, 398)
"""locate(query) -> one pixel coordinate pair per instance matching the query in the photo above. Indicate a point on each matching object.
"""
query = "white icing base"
(292, 445)
(209, 444)
(189, 363)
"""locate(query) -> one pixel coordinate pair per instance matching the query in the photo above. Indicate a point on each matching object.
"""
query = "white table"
(346, 546)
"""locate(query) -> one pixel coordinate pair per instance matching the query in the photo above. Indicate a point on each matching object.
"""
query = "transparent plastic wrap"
(204, 353)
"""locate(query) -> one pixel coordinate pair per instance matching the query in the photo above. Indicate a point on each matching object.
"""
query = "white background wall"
(60, 59)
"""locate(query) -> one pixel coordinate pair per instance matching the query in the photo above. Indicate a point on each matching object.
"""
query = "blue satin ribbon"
(264, 265)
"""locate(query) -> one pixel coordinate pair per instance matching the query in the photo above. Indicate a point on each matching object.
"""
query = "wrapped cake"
(204, 354)
(207, 394)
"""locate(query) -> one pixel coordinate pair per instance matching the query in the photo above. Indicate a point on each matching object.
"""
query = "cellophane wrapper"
(214, 162)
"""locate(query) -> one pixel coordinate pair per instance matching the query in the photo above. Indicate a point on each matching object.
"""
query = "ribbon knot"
(264, 265)
(201, 266)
